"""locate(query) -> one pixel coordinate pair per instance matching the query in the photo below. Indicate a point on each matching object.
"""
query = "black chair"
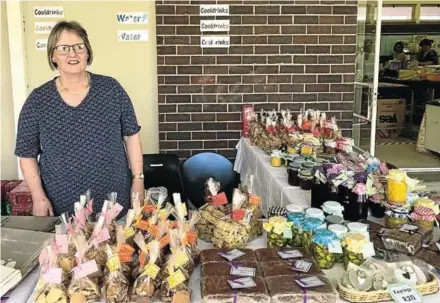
(199, 168)
(164, 170)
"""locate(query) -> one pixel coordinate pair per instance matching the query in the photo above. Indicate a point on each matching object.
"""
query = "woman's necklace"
(65, 89)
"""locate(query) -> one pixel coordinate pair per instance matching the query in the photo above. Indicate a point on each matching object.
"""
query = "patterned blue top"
(81, 147)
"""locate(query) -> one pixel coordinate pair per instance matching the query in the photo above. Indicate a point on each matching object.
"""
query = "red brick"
(272, 88)
(189, 70)
(189, 126)
(313, 69)
(280, 40)
(204, 135)
(189, 50)
(293, 9)
(167, 89)
(241, 50)
(254, 79)
(178, 117)
(331, 39)
(279, 79)
(345, 10)
(165, 9)
(185, 89)
(318, 49)
(167, 127)
(241, 69)
(265, 69)
(293, 49)
(267, 49)
(279, 59)
(305, 39)
(305, 20)
(320, 10)
(296, 88)
(326, 59)
(280, 20)
(176, 20)
(254, 19)
(178, 99)
(215, 126)
(305, 59)
(254, 59)
(331, 19)
(292, 69)
(202, 79)
(229, 117)
(190, 144)
(190, 108)
(266, 30)
(228, 59)
(177, 80)
(179, 136)
(255, 98)
(319, 29)
(177, 60)
(267, 10)
(229, 79)
(202, 60)
(344, 29)
(329, 97)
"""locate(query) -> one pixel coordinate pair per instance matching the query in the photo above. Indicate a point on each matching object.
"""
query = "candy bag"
(115, 285)
(147, 283)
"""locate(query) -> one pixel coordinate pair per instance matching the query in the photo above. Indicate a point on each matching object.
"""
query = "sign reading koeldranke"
(48, 12)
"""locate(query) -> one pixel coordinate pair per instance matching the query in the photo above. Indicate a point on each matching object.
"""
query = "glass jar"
(340, 231)
(293, 173)
(357, 207)
(330, 146)
(333, 194)
(297, 219)
(360, 228)
(352, 246)
(279, 231)
(396, 217)
(307, 149)
(312, 212)
(275, 159)
(308, 228)
(291, 149)
(334, 220)
(423, 216)
(320, 248)
(396, 186)
(332, 208)
(306, 179)
(319, 193)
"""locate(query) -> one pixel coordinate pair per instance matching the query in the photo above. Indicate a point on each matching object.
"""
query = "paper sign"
(181, 259)
(48, 12)
(214, 10)
(61, 242)
(132, 18)
(288, 254)
(242, 283)
(238, 214)
(103, 235)
(309, 282)
(335, 247)
(113, 263)
(220, 199)
(41, 44)
(214, 25)
(287, 233)
(133, 35)
(53, 276)
(176, 279)
(44, 27)
(403, 293)
(152, 270)
(214, 42)
(85, 269)
(233, 254)
(302, 266)
(242, 271)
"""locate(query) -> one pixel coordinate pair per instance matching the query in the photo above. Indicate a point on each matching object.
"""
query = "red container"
(21, 200)
(246, 115)
(7, 186)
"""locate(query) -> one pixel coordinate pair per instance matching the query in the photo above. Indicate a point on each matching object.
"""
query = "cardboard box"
(390, 117)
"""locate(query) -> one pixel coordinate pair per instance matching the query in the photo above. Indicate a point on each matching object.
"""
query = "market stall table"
(270, 182)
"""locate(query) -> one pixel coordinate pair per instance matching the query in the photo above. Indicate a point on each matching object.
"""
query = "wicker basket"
(431, 287)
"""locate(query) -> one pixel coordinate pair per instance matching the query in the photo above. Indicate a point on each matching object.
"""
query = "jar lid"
(295, 217)
(295, 165)
(334, 219)
(311, 224)
(314, 213)
(309, 164)
(306, 173)
(355, 242)
(324, 237)
(357, 227)
(332, 206)
(293, 208)
(299, 159)
(338, 229)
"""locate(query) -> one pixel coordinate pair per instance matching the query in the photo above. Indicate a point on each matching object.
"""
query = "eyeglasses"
(79, 48)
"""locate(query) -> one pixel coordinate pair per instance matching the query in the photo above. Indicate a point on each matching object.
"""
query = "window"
(428, 13)
(396, 13)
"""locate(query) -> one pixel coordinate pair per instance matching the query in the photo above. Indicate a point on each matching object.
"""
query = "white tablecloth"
(270, 182)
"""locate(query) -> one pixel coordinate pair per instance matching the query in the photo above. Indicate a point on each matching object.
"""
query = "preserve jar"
(306, 179)
(396, 186)
(340, 231)
(279, 231)
(395, 217)
(275, 159)
(357, 203)
(312, 212)
(360, 228)
(332, 208)
(353, 246)
(297, 219)
(334, 220)
(319, 192)
(320, 248)
(293, 173)
(308, 227)
(423, 216)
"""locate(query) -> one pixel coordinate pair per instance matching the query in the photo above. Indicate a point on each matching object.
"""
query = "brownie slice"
(224, 269)
(217, 289)
(284, 268)
(211, 255)
(271, 254)
(284, 289)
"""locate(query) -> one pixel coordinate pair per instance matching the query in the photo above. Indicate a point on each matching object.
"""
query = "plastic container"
(332, 208)
(293, 173)
(320, 248)
(396, 217)
(315, 213)
(297, 218)
(353, 245)
(340, 231)
(306, 179)
(309, 226)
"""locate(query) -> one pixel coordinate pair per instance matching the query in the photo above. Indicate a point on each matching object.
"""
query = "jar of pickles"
(309, 226)
(395, 217)
(332, 208)
(279, 231)
(423, 216)
(297, 219)
(322, 239)
(340, 231)
(306, 179)
(353, 246)
(360, 228)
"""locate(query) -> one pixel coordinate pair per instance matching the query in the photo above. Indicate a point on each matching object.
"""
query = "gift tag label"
(242, 283)
(309, 282)
(53, 276)
(191, 237)
(254, 199)
(152, 270)
(102, 236)
(302, 266)
(129, 232)
(248, 217)
(61, 242)
(85, 269)
(142, 224)
(181, 259)
(115, 210)
(220, 199)
(287, 233)
(335, 247)
(242, 271)
(403, 293)
(176, 279)
(288, 254)
(238, 214)
(368, 250)
(114, 263)
(409, 227)
(232, 255)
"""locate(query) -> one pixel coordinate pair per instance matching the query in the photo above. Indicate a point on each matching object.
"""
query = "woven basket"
(431, 287)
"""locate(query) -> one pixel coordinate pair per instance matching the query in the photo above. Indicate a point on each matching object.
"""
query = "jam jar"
(312, 212)
(395, 217)
(332, 208)
(306, 179)
(340, 231)
(330, 146)
(293, 173)
(308, 227)
(330, 220)
(357, 207)
(297, 219)
(319, 193)
(353, 246)
(276, 159)
(320, 248)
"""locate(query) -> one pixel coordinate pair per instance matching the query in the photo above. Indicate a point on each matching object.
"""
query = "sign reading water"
(133, 36)
(132, 18)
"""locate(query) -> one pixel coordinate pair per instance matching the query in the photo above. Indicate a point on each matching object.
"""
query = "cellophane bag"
(143, 254)
(65, 249)
(115, 285)
(148, 282)
(50, 288)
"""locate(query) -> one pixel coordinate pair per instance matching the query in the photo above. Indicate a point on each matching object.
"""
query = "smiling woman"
(83, 128)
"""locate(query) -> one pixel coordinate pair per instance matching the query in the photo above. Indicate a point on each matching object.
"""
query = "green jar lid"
(309, 165)
(299, 159)
(334, 219)
(306, 173)
(295, 165)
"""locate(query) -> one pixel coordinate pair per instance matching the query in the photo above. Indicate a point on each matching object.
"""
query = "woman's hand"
(42, 207)
(137, 186)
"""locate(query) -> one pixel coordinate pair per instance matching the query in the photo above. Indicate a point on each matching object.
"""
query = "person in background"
(398, 52)
(83, 128)
(428, 55)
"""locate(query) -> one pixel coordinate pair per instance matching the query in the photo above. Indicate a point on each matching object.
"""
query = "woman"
(428, 56)
(398, 52)
(83, 128)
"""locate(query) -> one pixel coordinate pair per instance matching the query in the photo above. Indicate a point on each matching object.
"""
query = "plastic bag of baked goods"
(115, 285)
(99, 238)
(147, 283)
(82, 288)
(114, 209)
(50, 288)
(83, 215)
(143, 255)
(65, 259)
(126, 252)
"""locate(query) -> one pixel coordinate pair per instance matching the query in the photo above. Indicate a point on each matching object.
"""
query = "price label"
(53, 276)
(254, 199)
(368, 250)
(232, 255)
(335, 247)
(102, 236)
(302, 266)
(114, 263)
(287, 233)
(176, 279)
(129, 232)
(309, 282)
(403, 293)
(220, 199)
(242, 271)
(238, 214)
(289, 254)
(85, 269)
(242, 283)
(181, 259)
(61, 242)
(152, 270)
(143, 225)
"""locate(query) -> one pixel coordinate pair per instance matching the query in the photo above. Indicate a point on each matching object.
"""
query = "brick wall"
(283, 54)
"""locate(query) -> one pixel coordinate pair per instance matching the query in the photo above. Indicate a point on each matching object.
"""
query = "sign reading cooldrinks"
(214, 42)
(214, 25)
(48, 12)
(214, 10)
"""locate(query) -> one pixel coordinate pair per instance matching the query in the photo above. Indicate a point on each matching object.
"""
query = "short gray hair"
(71, 26)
